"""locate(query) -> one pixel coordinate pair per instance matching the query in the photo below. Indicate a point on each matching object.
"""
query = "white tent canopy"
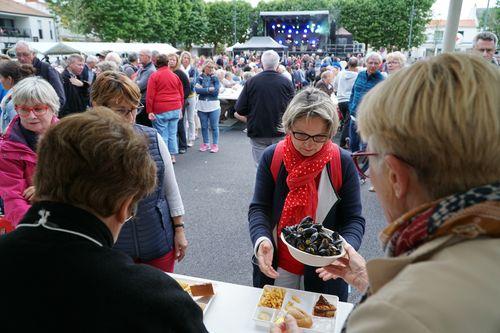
(260, 43)
(48, 48)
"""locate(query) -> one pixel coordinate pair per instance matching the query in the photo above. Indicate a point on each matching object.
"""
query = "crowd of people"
(87, 179)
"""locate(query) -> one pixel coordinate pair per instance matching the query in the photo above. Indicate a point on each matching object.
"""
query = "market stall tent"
(120, 48)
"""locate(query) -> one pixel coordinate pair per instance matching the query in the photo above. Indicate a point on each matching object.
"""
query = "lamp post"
(411, 24)
(234, 20)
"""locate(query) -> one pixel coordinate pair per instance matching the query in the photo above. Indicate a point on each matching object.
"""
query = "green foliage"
(192, 23)
(220, 27)
(489, 20)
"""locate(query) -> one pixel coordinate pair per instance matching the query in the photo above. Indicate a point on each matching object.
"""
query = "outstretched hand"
(351, 268)
(265, 259)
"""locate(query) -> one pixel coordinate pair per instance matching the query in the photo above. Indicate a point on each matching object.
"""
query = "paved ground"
(216, 190)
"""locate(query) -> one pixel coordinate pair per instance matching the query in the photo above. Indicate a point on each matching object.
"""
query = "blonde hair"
(309, 103)
(398, 56)
(186, 53)
(441, 116)
(178, 61)
(94, 160)
(206, 63)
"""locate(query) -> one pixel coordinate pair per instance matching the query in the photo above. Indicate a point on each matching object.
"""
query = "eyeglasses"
(360, 159)
(125, 112)
(320, 138)
(24, 111)
(22, 54)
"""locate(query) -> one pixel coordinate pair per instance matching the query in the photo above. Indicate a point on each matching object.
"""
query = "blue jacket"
(193, 78)
(362, 85)
(206, 82)
(344, 217)
(150, 234)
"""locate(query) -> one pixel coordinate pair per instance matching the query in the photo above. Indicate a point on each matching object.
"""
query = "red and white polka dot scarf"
(302, 200)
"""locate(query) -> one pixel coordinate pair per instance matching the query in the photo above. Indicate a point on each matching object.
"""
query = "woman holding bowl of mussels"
(305, 174)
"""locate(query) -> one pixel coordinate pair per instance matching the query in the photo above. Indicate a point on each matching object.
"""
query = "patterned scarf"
(431, 221)
(302, 200)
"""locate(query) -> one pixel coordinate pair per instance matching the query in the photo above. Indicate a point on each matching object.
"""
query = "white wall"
(45, 26)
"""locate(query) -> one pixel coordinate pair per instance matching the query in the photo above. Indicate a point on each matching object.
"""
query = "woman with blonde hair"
(395, 61)
(190, 119)
(306, 174)
(155, 236)
(431, 131)
(174, 64)
(208, 106)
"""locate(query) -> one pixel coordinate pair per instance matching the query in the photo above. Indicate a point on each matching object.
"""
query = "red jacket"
(17, 166)
(165, 92)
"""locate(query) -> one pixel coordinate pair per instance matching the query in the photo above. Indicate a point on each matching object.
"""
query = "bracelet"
(181, 225)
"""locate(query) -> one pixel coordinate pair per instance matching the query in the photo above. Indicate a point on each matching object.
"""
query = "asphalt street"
(216, 190)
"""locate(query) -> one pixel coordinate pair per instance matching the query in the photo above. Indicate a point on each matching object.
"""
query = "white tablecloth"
(233, 307)
(230, 93)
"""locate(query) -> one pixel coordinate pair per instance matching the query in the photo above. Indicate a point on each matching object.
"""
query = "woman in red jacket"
(164, 100)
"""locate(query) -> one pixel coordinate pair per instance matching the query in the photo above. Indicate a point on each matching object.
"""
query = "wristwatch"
(180, 225)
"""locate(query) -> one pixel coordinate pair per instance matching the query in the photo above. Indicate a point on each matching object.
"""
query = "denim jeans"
(166, 124)
(355, 143)
(211, 117)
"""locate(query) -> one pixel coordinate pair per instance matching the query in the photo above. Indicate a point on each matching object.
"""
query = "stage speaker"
(333, 29)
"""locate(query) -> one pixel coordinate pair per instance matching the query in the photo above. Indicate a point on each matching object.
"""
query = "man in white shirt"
(342, 85)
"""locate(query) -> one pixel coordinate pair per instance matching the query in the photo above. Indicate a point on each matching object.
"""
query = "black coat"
(54, 281)
(46, 71)
(77, 98)
(263, 101)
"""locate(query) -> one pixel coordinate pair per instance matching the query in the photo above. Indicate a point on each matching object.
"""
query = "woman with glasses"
(208, 106)
(314, 178)
(439, 187)
(395, 61)
(36, 104)
(155, 236)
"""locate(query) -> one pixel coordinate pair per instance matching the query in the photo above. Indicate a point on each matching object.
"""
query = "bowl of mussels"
(312, 244)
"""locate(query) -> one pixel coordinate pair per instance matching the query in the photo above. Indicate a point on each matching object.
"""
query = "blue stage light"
(278, 25)
(274, 27)
(284, 26)
(289, 31)
(304, 36)
(305, 31)
(307, 26)
(280, 41)
(296, 32)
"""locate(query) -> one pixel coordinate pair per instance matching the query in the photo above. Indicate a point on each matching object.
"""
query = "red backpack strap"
(277, 159)
(336, 169)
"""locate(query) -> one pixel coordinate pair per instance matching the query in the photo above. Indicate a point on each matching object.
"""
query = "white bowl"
(311, 259)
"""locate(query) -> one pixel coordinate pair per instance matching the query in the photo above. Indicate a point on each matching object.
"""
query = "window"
(50, 30)
(438, 36)
(342, 40)
(40, 31)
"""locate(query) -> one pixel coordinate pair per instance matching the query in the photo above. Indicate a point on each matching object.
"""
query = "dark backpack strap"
(277, 159)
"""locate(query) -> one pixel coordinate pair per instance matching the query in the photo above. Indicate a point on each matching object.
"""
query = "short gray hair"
(35, 90)
(108, 66)
(373, 55)
(146, 52)
(485, 35)
(310, 103)
(24, 44)
(91, 59)
(74, 57)
(115, 57)
(270, 60)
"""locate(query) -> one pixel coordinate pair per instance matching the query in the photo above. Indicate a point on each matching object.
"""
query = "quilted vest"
(150, 234)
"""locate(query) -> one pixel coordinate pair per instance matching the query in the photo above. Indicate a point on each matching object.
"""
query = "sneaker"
(173, 159)
(371, 189)
(190, 143)
(214, 148)
(182, 151)
(204, 147)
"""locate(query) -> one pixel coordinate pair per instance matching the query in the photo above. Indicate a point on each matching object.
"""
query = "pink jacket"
(17, 166)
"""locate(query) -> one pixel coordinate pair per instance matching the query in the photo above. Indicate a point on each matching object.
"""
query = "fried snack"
(205, 289)
(185, 286)
(296, 298)
(303, 319)
(272, 298)
(323, 308)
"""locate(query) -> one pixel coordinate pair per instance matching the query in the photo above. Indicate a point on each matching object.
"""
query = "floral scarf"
(432, 220)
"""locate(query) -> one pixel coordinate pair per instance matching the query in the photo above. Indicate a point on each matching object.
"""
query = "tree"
(162, 21)
(220, 27)
(489, 19)
(192, 26)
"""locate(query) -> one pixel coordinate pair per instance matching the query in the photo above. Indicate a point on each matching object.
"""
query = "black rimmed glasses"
(125, 111)
(320, 138)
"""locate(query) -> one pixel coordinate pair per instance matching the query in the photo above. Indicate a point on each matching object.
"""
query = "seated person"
(60, 256)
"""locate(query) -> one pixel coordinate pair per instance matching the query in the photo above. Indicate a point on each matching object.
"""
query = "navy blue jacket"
(150, 234)
(206, 82)
(267, 205)
(46, 71)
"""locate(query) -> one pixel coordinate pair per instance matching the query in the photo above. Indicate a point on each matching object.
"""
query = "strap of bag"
(335, 171)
